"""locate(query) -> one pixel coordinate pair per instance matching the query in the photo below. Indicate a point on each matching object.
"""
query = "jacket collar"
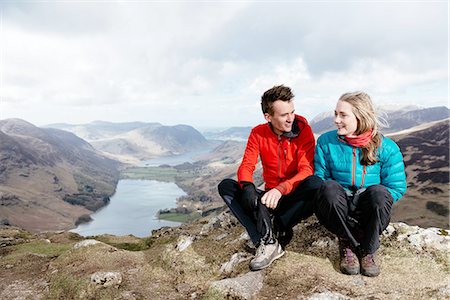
(291, 134)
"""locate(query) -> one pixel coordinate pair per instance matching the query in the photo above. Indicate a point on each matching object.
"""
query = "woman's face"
(345, 119)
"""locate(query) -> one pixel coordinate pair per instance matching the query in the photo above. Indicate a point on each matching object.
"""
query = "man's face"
(282, 117)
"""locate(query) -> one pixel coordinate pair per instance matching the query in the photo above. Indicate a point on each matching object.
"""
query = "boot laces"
(348, 254)
(369, 260)
(261, 250)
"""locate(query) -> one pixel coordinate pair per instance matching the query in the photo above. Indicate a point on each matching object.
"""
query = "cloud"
(208, 63)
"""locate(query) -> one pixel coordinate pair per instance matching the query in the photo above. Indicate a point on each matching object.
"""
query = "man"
(285, 145)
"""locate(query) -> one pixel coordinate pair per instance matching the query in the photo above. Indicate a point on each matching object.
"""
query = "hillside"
(208, 259)
(398, 119)
(49, 177)
(137, 141)
(426, 154)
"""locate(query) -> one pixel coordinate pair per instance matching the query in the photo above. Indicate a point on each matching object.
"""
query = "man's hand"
(271, 198)
(249, 196)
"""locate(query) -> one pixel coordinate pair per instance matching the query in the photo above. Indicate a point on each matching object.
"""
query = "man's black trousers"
(291, 208)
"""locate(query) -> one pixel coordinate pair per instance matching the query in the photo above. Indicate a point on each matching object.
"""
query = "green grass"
(168, 174)
(37, 247)
(66, 287)
(127, 246)
(214, 294)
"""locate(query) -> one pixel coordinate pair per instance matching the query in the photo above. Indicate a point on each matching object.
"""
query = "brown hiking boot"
(368, 265)
(349, 263)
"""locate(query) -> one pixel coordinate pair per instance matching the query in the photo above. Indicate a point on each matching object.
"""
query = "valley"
(52, 179)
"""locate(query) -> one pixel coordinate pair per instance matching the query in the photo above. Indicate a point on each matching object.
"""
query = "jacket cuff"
(282, 188)
(244, 183)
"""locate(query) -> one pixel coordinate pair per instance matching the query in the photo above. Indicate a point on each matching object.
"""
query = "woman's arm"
(321, 167)
(393, 175)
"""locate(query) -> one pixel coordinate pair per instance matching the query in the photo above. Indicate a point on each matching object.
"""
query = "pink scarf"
(360, 140)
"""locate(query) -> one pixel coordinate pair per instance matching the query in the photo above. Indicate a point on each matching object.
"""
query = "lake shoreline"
(133, 209)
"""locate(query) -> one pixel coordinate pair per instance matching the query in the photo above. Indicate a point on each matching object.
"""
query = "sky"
(207, 63)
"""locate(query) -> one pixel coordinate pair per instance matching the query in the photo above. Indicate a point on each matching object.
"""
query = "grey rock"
(327, 295)
(183, 288)
(107, 279)
(221, 236)
(223, 220)
(184, 242)
(419, 238)
(324, 242)
(236, 258)
(85, 243)
(246, 286)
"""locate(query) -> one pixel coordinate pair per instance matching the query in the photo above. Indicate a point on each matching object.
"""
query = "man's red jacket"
(285, 161)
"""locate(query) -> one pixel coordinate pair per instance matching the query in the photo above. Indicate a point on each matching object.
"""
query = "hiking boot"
(349, 263)
(265, 255)
(368, 265)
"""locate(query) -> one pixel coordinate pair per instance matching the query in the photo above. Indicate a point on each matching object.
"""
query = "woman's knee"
(330, 190)
(330, 195)
(312, 182)
(378, 196)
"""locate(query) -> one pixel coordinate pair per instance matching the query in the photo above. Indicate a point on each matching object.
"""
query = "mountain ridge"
(137, 141)
(41, 167)
(397, 120)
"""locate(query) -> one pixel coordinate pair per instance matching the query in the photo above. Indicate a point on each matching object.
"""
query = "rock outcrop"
(208, 259)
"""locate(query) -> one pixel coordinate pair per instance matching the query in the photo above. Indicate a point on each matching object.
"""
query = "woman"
(363, 175)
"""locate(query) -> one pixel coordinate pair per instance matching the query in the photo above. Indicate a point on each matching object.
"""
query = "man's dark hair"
(279, 92)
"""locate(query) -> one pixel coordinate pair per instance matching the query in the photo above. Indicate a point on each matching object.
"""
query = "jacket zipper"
(279, 157)
(363, 175)
(354, 166)
(354, 170)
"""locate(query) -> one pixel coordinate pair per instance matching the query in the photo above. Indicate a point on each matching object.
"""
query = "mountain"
(98, 130)
(49, 177)
(136, 141)
(397, 118)
(233, 133)
(426, 154)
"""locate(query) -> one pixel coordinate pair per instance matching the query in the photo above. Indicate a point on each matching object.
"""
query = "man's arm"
(249, 160)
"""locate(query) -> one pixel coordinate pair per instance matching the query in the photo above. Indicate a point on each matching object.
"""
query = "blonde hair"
(367, 119)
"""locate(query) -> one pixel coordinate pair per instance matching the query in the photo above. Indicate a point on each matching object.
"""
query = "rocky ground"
(208, 259)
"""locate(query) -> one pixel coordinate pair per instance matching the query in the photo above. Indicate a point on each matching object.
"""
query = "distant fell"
(397, 118)
(426, 154)
(232, 133)
(136, 141)
(43, 174)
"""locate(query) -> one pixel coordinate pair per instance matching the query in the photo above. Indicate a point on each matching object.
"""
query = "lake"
(133, 209)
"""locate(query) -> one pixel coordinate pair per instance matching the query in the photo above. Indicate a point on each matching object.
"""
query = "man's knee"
(227, 187)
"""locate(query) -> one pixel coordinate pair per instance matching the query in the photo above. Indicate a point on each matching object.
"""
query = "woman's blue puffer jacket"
(336, 160)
